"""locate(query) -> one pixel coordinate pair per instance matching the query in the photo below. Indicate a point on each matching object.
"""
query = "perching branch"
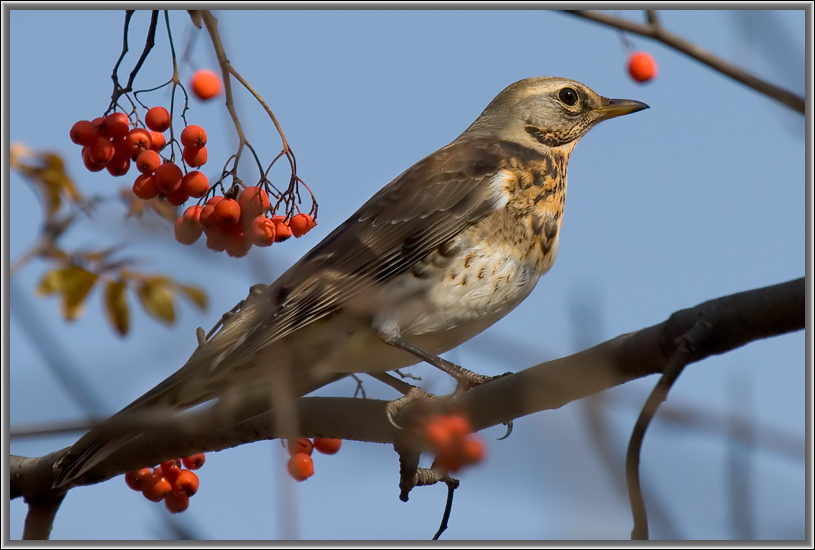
(735, 320)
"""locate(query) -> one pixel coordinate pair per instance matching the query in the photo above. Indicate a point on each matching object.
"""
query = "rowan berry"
(193, 137)
(84, 133)
(195, 184)
(176, 502)
(227, 212)
(301, 224)
(177, 197)
(300, 445)
(300, 466)
(115, 126)
(157, 487)
(327, 445)
(145, 187)
(138, 140)
(157, 141)
(157, 119)
(205, 84)
(137, 478)
(282, 229)
(261, 231)
(194, 462)
(101, 151)
(168, 177)
(186, 482)
(642, 66)
(148, 161)
(253, 201)
(237, 244)
(194, 157)
(88, 161)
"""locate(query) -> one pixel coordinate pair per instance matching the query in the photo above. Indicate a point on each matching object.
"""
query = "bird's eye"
(568, 96)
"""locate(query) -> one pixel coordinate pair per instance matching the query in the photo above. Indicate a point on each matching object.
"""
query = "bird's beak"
(619, 107)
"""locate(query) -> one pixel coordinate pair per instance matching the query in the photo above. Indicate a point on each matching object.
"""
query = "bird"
(442, 252)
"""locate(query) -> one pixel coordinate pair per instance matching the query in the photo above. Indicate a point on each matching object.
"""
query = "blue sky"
(701, 196)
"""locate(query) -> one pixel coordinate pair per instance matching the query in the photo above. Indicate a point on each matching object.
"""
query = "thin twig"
(656, 31)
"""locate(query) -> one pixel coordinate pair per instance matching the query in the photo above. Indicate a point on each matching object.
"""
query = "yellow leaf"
(196, 294)
(78, 283)
(53, 281)
(157, 301)
(116, 306)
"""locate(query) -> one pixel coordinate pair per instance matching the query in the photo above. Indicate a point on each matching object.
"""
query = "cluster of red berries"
(168, 481)
(236, 224)
(451, 437)
(642, 66)
(300, 465)
(110, 143)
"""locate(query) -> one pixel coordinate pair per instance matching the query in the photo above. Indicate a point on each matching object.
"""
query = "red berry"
(170, 470)
(193, 137)
(437, 435)
(84, 133)
(137, 478)
(261, 231)
(156, 488)
(186, 482)
(472, 450)
(157, 141)
(195, 184)
(301, 224)
(327, 445)
(101, 151)
(177, 197)
(254, 201)
(168, 177)
(227, 212)
(88, 162)
(157, 119)
(176, 502)
(187, 231)
(300, 445)
(282, 230)
(642, 66)
(145, 187)
(195, 157)
(148, 161)
(138, 140)
(118, 166)
(194, 462)
(237, 243)
(115, 126)
(205, 84)
(300, 466)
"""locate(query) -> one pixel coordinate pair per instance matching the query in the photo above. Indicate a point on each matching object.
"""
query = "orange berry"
(88, 162)
(138, 140)
(186, 231)
(261, 231)
(282, 230)
(148, 161)
(327, 445)
(253, 201)
(205, 84)
(449, 458)
(84, 133)
(227, 212)
(157, 119)
(195, 157)
(170, 469)
(237, 244)
(194, 462)
(176, 502)
(195, 184)
(115, 126)
(118, 166)
(137, 478)
(457, 425)
(168, 177)
(177, 197)
(157, 141)
(642, 66)
(300, 466)
(207, 218)
(193, 137)
(300, 445)
(301, 224)
(472, 450)
(157, 487)
(145, 187)
(437, 435)
(186, 482)
(101, 151)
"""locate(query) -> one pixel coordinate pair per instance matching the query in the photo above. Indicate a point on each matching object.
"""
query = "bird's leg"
(465, 377)
(409, 393)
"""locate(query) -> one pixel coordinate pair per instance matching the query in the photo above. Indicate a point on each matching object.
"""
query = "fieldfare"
(442, 252)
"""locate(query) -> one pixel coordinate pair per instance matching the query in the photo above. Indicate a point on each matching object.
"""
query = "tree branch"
(735, 320)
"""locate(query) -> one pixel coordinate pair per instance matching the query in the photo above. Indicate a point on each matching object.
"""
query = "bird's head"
(547, 110)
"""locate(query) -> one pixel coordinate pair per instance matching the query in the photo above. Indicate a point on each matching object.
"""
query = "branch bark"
(735, 321)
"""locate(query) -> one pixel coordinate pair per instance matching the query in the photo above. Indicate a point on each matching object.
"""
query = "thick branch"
(736, 320)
